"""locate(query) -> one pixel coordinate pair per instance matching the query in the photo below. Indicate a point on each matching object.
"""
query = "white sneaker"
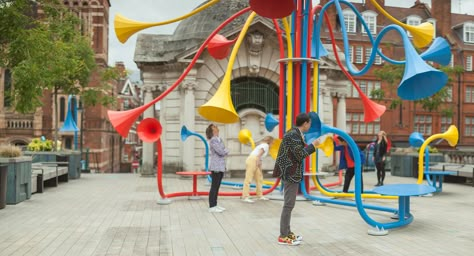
(215, 209)
(248, 200)
(262, 198)
(220, 207)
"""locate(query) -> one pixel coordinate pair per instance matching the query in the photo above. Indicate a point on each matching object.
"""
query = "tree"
(46, 51)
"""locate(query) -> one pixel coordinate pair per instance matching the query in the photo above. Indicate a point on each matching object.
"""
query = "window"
(468, 29)
(451, 62)
(366, 86)
(449, 90)
(368, 51)
(468, 63)
(359, 54)
(255, 92)
(445, 123)
(469, 126)
(378, 59)
(469, 94)
(351, 54)
(413, 20)
(370, 19)
(349, 21)
(423, 124)
(355, 124)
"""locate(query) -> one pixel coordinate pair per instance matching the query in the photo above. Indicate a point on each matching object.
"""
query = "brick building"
(96, 135)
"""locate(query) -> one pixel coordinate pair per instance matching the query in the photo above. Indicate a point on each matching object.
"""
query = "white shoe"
(248, 200)
(215, 209)
(220, 207)
(262, 198)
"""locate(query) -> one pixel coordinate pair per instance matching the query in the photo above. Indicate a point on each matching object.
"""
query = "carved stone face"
(255, 42)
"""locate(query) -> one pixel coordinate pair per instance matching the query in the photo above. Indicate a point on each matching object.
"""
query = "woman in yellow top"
(254, 169)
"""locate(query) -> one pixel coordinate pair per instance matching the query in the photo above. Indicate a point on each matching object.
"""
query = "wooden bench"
(48, 175)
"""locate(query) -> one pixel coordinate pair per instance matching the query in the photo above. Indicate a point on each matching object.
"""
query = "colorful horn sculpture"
(273, 9)
(451, 135)
(270, 122)
(220, 107)
(422, 34)
(245, 137)
(439, 52)
(185, 133)
(273, 151)
(149, 130)
(420, 80)
(219, 47)
(322, 51)
(416, 139)
(327, 146)
(69, 124)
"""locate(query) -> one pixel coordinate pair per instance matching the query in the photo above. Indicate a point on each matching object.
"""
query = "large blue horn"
(185, 133)
(416, 139)
(270, 122)
(316, 128)
(439, 52)
(420, 80)
(69, 124)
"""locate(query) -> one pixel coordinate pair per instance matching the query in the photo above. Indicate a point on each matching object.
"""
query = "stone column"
(189, 146)
(341, 112)
(146, 169)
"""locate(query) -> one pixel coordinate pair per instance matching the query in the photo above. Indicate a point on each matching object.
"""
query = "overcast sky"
(162, 10)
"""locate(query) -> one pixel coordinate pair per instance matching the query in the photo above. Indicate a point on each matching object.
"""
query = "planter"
(18, 179)
(73, 158)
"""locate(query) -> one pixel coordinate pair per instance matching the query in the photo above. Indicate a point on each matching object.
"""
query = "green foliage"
(46, 52)
(39, 145)
(9, 151)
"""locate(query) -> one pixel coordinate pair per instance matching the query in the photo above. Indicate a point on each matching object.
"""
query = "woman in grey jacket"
(217, 165)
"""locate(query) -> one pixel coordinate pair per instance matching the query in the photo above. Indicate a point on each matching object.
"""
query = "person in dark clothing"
(289, 167)
(346, 161)
(380, 150)
(217, 165)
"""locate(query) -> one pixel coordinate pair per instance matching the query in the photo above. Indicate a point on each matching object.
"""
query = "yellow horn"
(124, 27)
(327, 146)
(422, 34)
(245, 137)
(273, 151)
(451, 135)
(220, 107)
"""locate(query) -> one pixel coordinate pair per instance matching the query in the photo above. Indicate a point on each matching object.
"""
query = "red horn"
(149, 130)
(219, 46)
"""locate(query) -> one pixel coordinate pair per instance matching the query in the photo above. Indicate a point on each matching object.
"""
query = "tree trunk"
(56, 119)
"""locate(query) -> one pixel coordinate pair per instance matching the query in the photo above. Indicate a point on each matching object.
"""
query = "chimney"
(441, 11)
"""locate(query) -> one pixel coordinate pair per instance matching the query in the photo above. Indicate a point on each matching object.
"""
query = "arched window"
(62, 109)
(255, 92)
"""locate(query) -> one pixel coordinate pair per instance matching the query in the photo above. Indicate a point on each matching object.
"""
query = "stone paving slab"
(117, 214)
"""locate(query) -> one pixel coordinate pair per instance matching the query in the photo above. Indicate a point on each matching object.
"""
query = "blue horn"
(420, 80)
(270, 122)
(416, 139)
(69, 124)
(439, 52)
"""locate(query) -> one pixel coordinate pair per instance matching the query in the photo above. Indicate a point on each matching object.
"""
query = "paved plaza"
(117, 214)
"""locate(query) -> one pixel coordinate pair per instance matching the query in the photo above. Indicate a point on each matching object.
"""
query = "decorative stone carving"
(255, 42)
